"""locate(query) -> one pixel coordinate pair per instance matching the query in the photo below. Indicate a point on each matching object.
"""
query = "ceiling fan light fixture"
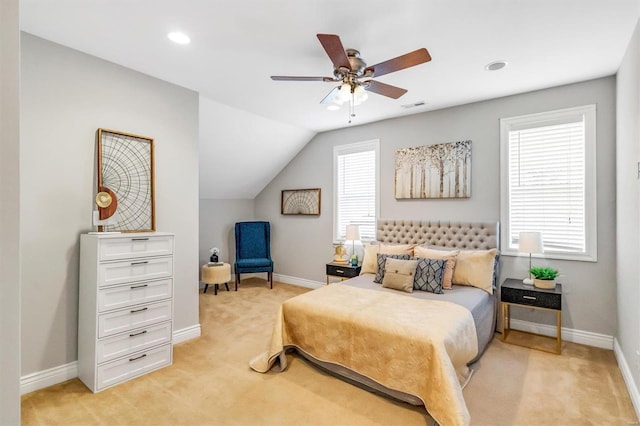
(333, 107)
(344, 94)
(359, 95)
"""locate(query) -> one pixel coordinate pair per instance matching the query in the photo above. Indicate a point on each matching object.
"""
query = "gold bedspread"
(420, 347)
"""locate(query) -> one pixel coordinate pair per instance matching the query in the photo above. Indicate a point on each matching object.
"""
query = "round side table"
(216, 275)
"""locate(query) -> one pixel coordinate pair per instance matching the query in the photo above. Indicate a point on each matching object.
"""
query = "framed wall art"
(125, 169)
(434, 171)
(300, 202)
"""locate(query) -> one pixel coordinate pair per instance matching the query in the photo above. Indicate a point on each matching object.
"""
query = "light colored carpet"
(210, 383)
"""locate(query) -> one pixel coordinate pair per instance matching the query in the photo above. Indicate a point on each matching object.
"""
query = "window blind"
(356, 193)
(547, 183)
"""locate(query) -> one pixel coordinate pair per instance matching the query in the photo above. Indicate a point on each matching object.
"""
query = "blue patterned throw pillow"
(381, 261)
(429, 273)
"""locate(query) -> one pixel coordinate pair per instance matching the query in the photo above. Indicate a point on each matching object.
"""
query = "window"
(355, 191)
(548, 181)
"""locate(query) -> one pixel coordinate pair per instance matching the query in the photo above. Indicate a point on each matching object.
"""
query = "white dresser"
(126, 306)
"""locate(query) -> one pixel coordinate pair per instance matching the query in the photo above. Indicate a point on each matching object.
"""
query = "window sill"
(552, 256)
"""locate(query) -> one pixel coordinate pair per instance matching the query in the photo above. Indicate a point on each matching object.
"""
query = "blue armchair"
(253, 250)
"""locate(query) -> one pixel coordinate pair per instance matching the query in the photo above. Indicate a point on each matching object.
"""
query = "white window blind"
(547, 182)
(356, 189)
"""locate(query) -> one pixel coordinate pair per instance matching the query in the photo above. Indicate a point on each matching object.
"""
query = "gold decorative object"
(340, 254)
(103, 199)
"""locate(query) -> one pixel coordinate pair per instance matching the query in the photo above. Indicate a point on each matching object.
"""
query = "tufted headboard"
(460, 235)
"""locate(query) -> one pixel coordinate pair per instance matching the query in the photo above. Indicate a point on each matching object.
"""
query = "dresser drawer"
(122, 296)
(132, 341)
(134, 270)
(135, 317)
(133, 365)
(345, 271)
(535, 297)
(141, 246)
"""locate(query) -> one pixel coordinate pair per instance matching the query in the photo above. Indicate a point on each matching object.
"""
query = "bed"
(416, 349)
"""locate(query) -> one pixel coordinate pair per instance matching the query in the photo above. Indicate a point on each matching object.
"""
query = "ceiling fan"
(354, 74)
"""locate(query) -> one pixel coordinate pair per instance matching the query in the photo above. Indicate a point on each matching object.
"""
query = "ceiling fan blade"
(385, 89)
(411, 59)
(329, 98)
(293, 78)
(333, 46)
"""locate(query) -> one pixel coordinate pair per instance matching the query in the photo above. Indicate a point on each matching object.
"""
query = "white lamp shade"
(530, 242)
(353, 232)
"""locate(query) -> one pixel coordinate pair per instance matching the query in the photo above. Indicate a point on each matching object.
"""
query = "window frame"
(590, 210)
(352, 148)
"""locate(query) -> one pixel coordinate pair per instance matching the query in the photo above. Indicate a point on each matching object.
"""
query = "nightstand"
(514, 293)
(342, 271)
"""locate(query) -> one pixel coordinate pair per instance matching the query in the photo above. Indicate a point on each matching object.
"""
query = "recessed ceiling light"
(178, 37)
(496, 65)
(333, 107)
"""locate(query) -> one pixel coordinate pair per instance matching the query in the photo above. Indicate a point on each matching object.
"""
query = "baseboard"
(627, 376)
(43, 379)
(301, 282)
(186, 333)
(53, 376)
(568, 334)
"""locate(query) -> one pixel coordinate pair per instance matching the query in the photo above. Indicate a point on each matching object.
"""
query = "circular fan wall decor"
(125, 166)
(300, 202)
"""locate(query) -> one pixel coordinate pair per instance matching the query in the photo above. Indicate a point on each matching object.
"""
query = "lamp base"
(527, 281)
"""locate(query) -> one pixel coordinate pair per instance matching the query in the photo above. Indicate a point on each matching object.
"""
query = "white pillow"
(475, 268)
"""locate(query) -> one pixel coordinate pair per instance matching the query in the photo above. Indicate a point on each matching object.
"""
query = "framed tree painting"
(300, 202)
(434, 171)
(125, 170)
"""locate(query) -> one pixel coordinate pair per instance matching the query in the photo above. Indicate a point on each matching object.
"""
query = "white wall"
(628, 204)
(9, 213)
(217, 226)
(302, 246)
(65, 96)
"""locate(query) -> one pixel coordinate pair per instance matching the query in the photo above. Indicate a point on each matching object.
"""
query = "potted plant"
(544, 277)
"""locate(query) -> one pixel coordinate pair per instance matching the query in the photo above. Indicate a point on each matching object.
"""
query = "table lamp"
(353, 234)
(530, 242)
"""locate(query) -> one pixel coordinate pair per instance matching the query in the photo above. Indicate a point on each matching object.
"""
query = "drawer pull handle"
(529, 297)
(137, 334)
(140, 239)
(340, 271)
(138, 357)
(139, 286)
(139, 310)
(139, 263)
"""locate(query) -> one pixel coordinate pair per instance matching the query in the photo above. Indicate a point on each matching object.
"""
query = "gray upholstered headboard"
(461, 235)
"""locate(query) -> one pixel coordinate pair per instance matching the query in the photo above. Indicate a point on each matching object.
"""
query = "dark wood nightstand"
(514, 293)
(342, 271)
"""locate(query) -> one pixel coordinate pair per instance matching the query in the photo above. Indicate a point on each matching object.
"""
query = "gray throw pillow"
(429, 274)
(381, 261)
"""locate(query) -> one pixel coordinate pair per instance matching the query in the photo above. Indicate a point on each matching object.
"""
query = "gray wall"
(9, 214)
(65, 96)
(301, 246)
(628, 211)
(217, 226)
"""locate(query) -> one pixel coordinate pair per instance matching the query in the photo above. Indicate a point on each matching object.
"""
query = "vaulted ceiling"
(251, 126)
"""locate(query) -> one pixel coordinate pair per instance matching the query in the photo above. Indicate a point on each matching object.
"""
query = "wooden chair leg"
(237, 279)
(227, 286)
(270, 279)
(206, 286)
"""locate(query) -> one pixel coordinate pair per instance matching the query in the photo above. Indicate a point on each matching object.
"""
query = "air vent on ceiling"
(413, 105)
